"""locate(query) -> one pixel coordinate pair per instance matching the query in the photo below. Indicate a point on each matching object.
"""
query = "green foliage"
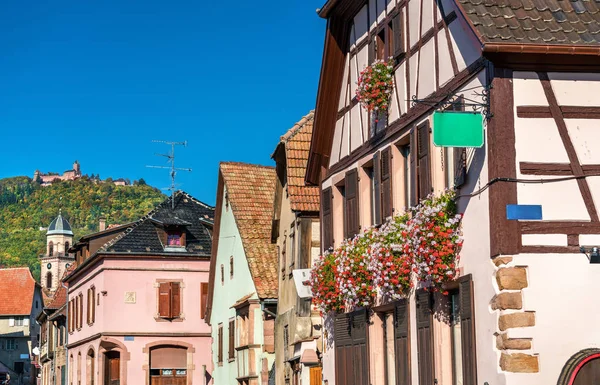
(25, 206)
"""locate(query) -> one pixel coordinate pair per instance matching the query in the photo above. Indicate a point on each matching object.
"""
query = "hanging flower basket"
(375, 86)
(324, 283)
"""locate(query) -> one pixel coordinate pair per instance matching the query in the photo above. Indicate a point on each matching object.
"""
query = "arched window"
(50, 248)
(66, 247)
(90, 367)
(49, 280)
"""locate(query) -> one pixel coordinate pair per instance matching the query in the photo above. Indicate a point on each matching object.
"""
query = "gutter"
(542, 49)
(326, 8)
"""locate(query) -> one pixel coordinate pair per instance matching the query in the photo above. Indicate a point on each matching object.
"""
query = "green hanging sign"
(457, 129)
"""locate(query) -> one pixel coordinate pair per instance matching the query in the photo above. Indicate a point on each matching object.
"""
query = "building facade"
(134, 299)
(20, 302)
(53, 339)
(500, 323)
(295, 232)
(242, 296)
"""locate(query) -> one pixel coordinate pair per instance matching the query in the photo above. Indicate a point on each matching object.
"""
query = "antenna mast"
(171, 159)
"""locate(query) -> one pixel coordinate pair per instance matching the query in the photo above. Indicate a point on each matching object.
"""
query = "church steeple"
(59, 238)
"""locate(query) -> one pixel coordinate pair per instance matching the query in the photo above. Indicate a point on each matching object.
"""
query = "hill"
(25, 206)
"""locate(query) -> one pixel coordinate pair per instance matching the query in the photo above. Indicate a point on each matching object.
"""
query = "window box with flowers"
(374, 92)
(382, 264)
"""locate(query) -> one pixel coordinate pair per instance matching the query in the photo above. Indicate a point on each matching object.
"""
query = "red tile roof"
(297, 146)
(59, 299)
(251, 192)
(17, 288)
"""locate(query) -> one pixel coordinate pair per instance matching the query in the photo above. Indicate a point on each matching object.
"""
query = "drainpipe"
(66, 333)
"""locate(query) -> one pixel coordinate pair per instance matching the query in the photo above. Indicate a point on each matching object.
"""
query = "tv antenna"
(171, 159)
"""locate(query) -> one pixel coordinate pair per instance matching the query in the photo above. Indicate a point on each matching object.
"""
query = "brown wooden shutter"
(460, 166)
(164, 300)
(386, 183)
(343, 348)
(414, 171)
(372, 55)
(351, 216)
(175, 299)
(203, 299)
(93, 304)
(220, 348)
(305, 243)
(398, 38)
(424, 338)
(402, 342)
(231, 339)
(360, 354)
(377, 188)
(467, 327)
(424, 162)
(327, 218)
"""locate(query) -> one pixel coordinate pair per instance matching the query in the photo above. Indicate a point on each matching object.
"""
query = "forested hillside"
(25, 206)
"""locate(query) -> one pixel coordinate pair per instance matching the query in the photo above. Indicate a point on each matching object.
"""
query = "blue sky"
(98, 81)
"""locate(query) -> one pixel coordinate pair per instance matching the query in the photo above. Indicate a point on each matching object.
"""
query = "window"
(203, 299)
(455, 337)
(91, 308)
(80, 311)
(380, 45)
(66, 247)
(231, 339)
(350, 194)
(50, 249)
(420, 171)
(11, 344)
(231, 267)
(292, 247)
(220, 345)
(19, 321)
(169, 300)
(174, 239)
(70, 316)
(37, 303)
(49, 280)
(283, 255)
(327, 218)
(286, 343)
(222, 275)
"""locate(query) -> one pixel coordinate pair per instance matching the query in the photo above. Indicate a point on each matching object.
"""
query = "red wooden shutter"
(402, 342)
(424, 338)
(467, 327)
(203, 298)
(164, 300)
(175, 299)
(414, 171)
(377, 188)
(326, 205)
(386, 183)
(398, 38)
(231, 339)
(351, 204)
(424, 162)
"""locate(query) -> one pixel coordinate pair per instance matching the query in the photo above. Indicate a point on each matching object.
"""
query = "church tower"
(57, 259)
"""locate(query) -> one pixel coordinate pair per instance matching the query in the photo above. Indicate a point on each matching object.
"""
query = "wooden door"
(113, 369)
(589, 373)
(315, 375)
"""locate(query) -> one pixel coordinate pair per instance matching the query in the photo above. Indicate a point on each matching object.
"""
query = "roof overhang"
(543, 57)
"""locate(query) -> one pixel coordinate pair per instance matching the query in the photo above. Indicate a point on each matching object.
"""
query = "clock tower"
(57, 259)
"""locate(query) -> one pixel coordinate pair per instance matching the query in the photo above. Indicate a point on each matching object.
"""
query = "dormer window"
(174, 239)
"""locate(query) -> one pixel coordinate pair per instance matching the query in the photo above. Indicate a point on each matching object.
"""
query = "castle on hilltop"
(47, 179)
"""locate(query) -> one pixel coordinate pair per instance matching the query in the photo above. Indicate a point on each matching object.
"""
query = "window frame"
(174, 300)
(220, 344)
(231, 340)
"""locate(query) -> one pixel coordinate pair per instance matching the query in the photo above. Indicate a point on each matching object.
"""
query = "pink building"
(135, 303)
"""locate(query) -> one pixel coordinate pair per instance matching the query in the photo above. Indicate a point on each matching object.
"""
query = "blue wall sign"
(129, 338)
(524, 212)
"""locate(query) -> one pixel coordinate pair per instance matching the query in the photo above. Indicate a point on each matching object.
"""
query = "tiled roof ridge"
(235, 163)
(295, 129)
(195, 200)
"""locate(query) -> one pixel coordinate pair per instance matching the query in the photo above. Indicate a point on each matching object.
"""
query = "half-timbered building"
(521, 311)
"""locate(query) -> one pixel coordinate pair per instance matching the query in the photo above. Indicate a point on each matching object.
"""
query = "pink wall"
(116, 319)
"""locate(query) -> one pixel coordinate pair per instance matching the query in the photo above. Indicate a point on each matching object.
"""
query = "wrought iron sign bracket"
(448, 100)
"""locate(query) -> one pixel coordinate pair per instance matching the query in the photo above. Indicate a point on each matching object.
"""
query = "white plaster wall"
(414, 19)
(446, 72)
(427, 69)
(356, 138)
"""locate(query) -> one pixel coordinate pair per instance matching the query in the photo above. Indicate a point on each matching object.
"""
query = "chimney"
(102, 225)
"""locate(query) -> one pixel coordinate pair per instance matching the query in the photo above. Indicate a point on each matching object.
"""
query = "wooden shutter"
(231, 339)
(351, 204)
(305, 243)
(220, 348)
(424, 163)
(397, 31)
(414, 171)
(343, 348)
(114, 370)
(460, 166)
(175, 299)
(360, 355)
(164, 300)
(89, 308)
(402, 342)
(386, 183)
(424, 338)
(467, 327)
(203, 299)
(377, 189)
(93, 304)
(327, 219)
(372, 55)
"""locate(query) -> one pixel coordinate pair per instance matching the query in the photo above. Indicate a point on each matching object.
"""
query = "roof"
(59, 226)
(17, 288)
(59, 299)
(296, 142)
(251, 192)
(141, 236)
(546, 22)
